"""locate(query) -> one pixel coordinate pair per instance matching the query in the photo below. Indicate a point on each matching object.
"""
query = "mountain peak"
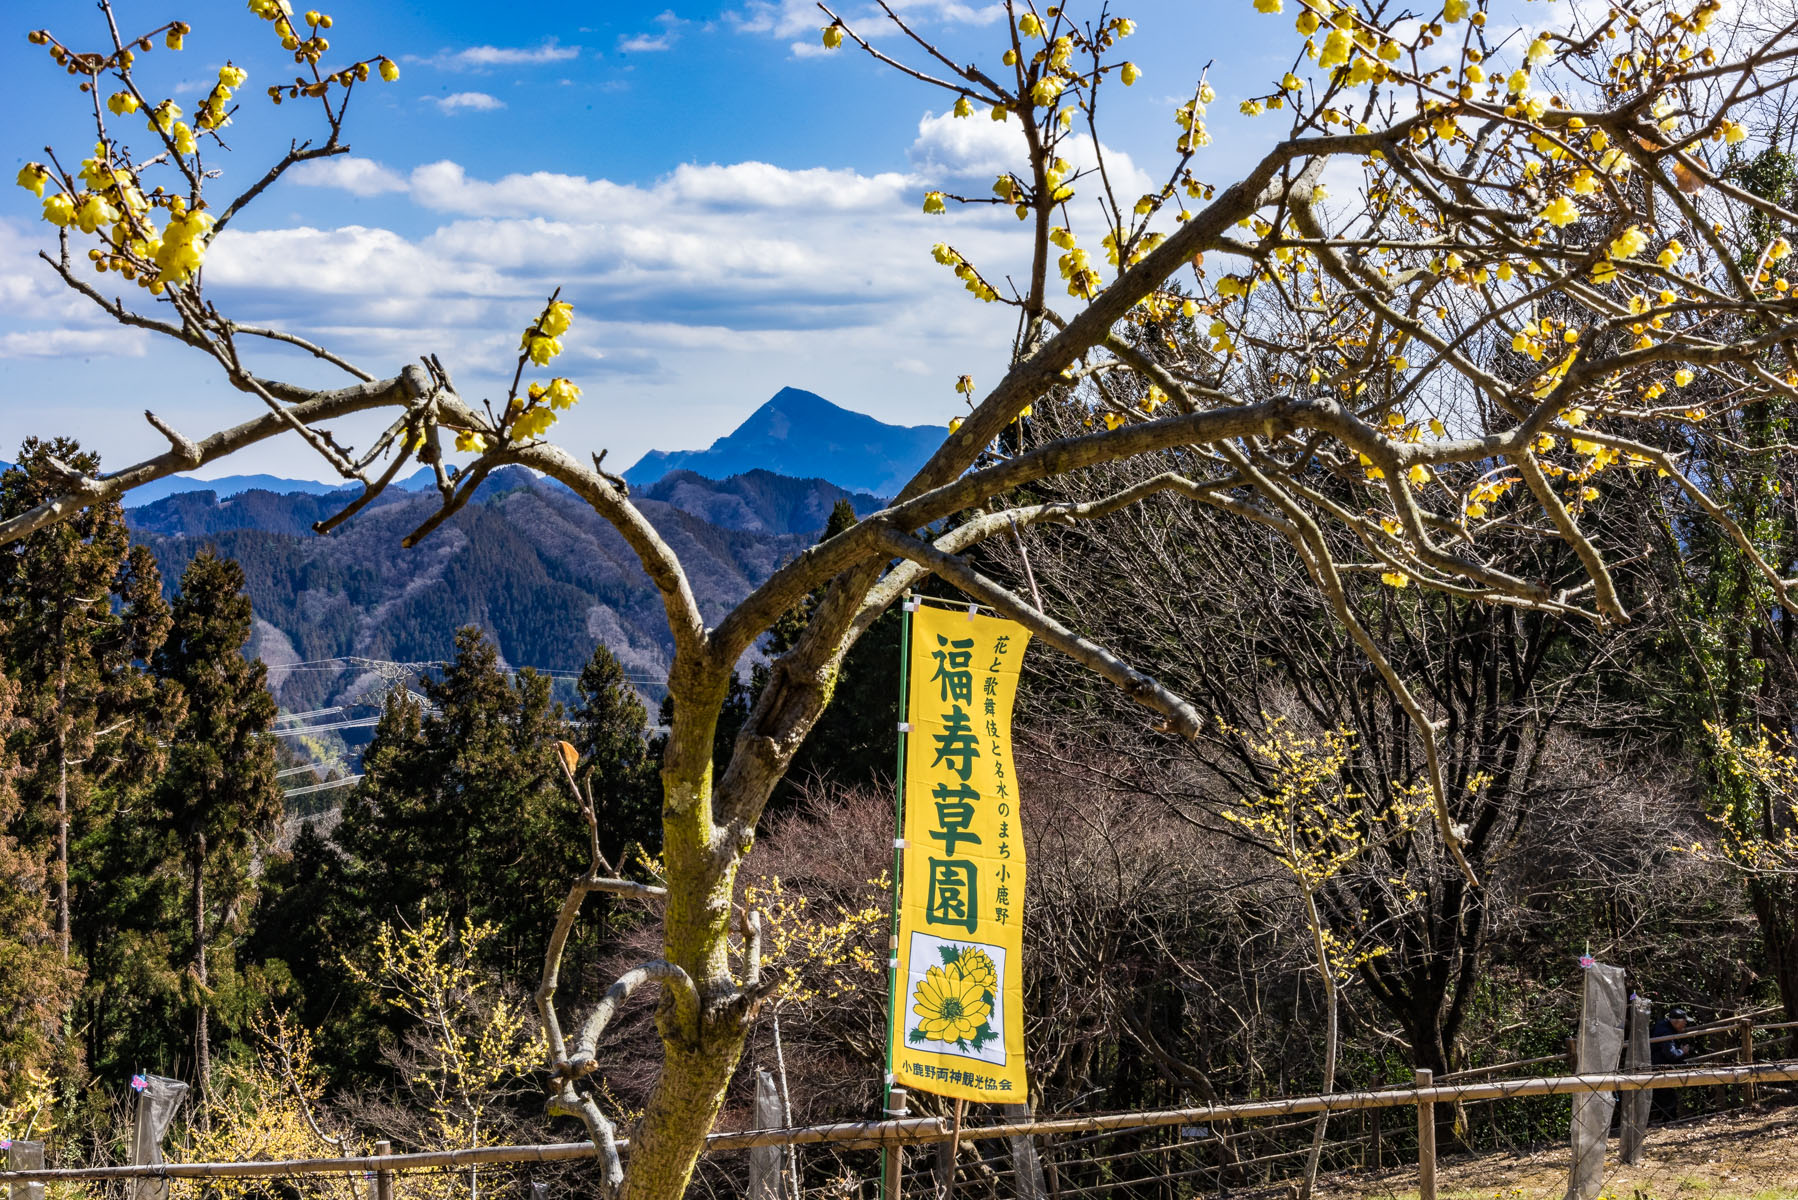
(801, 434)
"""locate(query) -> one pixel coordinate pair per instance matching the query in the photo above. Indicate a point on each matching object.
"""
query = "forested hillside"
(526, 560)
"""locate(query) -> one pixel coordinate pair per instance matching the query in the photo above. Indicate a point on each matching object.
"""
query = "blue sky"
(730, 209)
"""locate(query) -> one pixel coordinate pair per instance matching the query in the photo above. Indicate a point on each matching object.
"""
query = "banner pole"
(893, 998)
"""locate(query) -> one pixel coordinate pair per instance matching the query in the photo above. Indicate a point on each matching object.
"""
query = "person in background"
(1666, 1049)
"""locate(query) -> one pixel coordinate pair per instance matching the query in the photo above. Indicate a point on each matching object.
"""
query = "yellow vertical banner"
(958, 1011)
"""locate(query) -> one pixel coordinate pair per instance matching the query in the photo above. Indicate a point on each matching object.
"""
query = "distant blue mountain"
(802, 435)
(227, 486)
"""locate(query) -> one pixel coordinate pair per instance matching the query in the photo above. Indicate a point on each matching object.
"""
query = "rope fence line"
(867, 1135)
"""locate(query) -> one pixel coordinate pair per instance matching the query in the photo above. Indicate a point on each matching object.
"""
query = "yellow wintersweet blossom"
(164, 116)
(813, 955)
(1757, 829)
(933, 201)
(539, 348)
(1560, 211)
(33, 177)
(1335, 51)
(1314, 822)
(477, 1045)
(833, 36)
(1629, 243)
(1270, 6)
(556, 319)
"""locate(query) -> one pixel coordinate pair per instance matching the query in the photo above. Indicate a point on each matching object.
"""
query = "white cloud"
(708, 261)
(60, 343)
(477, 58)
(790, 18)
(358, 176)
(445, 186)
(696, 295)
(643, 43)
(979, 148)
(457, 102)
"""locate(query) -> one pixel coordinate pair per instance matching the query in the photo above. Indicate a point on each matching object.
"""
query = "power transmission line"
(346, 781)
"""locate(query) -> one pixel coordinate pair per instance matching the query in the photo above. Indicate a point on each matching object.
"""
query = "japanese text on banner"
(958, 1024)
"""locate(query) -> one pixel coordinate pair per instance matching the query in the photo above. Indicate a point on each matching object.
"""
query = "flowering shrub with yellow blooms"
(262, 1107)
(28, 1117)
(478, 1045)
(1759, 833)
(1312, 821)
(817, 956)
(32, 1116)
(1316, 825)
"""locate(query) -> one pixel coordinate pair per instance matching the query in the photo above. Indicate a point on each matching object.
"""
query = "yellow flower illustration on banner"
(976, 967)
(954, 1002)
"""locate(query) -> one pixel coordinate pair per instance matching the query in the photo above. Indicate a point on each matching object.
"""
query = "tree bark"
(1327, 974)
(62, 792)
(202, 1034)
(701, 1044)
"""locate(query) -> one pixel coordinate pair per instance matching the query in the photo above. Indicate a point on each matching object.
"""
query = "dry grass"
(1750, 1155)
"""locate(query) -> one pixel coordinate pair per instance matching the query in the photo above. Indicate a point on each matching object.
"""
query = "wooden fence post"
(1636, 1059)
(1426, 1139)
(892, 1159)
(383, 1178)
(1748, 1089)
(1378, 1164)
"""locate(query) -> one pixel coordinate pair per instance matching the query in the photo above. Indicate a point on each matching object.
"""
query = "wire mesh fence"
(1503, 1138)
